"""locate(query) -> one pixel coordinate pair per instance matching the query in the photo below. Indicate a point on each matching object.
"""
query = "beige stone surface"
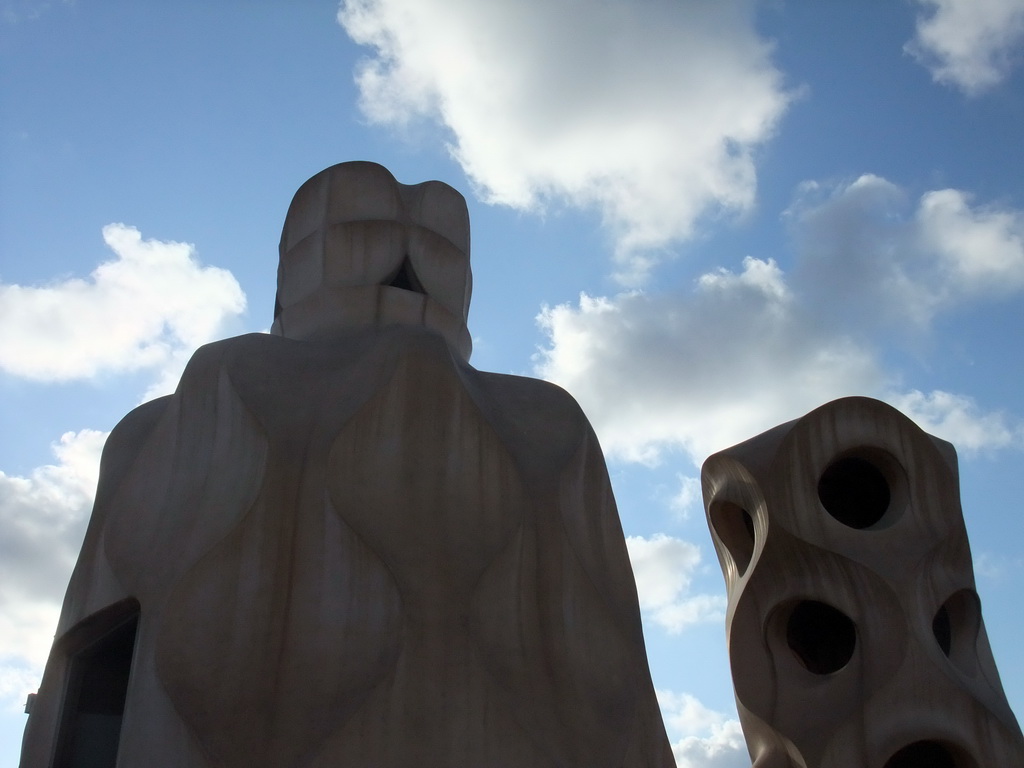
(349, 547)
(854, 627)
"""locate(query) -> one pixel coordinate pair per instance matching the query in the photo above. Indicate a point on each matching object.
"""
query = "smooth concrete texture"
(854, 628)
(343, 545)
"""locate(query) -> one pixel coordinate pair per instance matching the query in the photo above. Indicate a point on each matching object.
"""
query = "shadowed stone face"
(855, 632)
(359, 250)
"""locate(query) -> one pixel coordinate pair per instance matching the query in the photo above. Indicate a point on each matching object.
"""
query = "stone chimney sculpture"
(340, 544)
(855, 631)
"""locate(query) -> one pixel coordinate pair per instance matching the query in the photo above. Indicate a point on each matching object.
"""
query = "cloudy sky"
(701, 218)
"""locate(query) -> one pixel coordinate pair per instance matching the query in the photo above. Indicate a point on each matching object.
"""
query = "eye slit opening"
(405, 278)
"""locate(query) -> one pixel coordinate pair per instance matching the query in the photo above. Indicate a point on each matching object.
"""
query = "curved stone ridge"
(855, 632)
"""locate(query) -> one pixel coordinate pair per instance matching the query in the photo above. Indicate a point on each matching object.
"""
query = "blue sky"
(702, 219)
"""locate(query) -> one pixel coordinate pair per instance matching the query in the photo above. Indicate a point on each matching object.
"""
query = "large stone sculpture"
(340, 544)
(855, 632)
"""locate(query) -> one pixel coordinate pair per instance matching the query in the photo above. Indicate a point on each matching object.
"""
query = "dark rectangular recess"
(100, 655)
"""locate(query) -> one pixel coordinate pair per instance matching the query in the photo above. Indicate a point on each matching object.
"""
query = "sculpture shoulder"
(542, 422)
(132, 432)
(254, 356)
(139, 420)
(123, 444)
(212, 356)
(540, 398)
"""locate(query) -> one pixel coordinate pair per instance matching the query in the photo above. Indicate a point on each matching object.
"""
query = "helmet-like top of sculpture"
(361, 250)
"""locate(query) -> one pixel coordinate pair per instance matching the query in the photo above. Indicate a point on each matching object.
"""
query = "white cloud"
(15, 685)
(149, 308)
(688, 497)
(980, 251)
(663, 567)
(854, 244)
(701, 737)
(869, 257)
(970, 44)
(702, 371)
(996, 567)
(959, 420)
(724, 747)
(43, 517)
(746, 350)
(649, 112)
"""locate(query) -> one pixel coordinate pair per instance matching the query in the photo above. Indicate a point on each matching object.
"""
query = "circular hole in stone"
(927, 754)
(735, 527)
(822, 637)
(854, 491)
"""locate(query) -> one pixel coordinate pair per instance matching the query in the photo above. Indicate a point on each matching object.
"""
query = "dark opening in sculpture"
(97, 686)
(854, 491)
(822, 637)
